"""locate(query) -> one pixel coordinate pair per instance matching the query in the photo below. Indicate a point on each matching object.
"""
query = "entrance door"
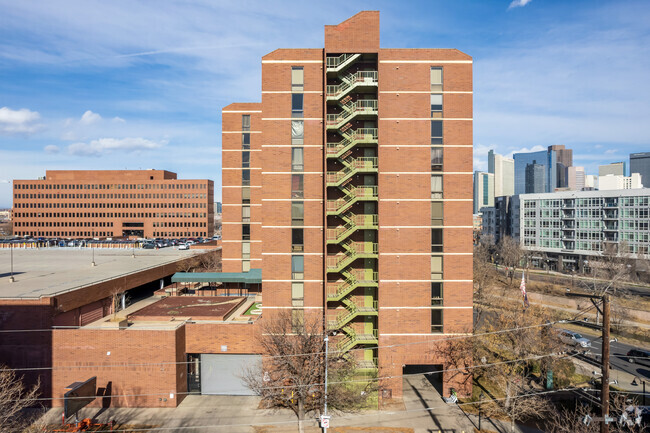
(221, 374)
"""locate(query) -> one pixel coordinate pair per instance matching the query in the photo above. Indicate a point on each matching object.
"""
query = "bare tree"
(292, 373)
(511, 254)
(14, 398)
(484, 271)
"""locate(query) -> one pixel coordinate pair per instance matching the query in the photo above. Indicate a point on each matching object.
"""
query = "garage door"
(221, 374)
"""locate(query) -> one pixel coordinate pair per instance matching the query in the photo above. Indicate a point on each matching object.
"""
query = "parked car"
(183, 247)
(639, 356)
(573, 339)
(148, 246)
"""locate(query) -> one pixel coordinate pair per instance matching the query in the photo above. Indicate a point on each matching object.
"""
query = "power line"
(436, 341)
(356, 416)
(321, 384)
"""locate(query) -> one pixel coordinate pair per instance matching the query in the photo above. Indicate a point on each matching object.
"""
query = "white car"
(183, 247)
(574, 339)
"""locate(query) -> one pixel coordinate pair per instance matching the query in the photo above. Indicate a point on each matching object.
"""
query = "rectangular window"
(436, 132)
(297, 294)
(245, 265)
(436, 214)
(436, 159)
(246, 232)
(297, 240)
(436, 268)
(246, 122)
(436, 186)
(297, 186)
(297, 320)
(297, 79)
(246, 159)
(436, 79)
(297, 154)
(297, 213)
(297, 267)
(246, 250)
(246, 214)
(436, 240)
(436, 294)
(436, 105)
(297, 131)
(246, 195)
(246, 141)
(296, 104)
(436, 321)
(245, 177)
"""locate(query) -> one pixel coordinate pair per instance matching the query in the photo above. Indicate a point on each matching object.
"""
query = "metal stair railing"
(337, 63)
(351, 166)
(366, 78)
(352, 195)
(362, 106)
(360, 135)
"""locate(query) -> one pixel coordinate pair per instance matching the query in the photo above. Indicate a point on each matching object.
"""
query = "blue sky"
(139, 84)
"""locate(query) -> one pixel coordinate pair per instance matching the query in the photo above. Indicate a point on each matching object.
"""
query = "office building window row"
(246, 193)
(436, 206)
(57, 186)
(297, 192)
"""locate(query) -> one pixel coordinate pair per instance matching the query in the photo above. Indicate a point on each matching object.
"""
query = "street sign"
(325, 421)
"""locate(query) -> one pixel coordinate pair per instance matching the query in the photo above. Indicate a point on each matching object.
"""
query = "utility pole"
(604, 393)
(604, 390)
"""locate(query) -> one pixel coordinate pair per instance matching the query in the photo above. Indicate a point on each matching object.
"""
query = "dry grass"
(279, 429)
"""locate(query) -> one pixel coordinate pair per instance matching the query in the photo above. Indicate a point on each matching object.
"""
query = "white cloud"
(18, 121)
(611, 151)
(107, 145)
(51, 148)
(527, 150)
(118, 119)
(518, 3)
(89, 118)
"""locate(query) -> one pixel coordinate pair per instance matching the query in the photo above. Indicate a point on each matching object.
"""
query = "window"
(297, 320)
(297, 213)
(246, 141)
(246, 195)
(436, 268)
(436, 214)
(436, 159)
(436, 79)
(297, 79)
(297, 155)
(246, 177)
(245, 265)
(297, 267)
(297, 240)
(246, 214)
(436, 240)
(436, 132)
(246, 232)
(297, 186)
(436, 105)
(297, 294)
(297, 131)
(246, 250)
(296, 104)
(436, 294)
(246, 159)
(436, 186)
(246, 122)
(436, 321)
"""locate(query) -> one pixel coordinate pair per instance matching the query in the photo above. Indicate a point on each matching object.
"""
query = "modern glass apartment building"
(566, 228)
(545, 158)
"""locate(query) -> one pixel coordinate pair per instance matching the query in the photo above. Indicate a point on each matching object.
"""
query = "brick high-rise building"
(113, 203)
(350, 186)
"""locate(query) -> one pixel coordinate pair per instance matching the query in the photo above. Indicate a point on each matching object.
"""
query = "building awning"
(254, 276)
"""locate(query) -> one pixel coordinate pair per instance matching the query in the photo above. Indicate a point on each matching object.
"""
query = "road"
(617, 358)
(569, 281)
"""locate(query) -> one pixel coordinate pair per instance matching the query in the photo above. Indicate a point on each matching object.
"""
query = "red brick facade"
(113, 203)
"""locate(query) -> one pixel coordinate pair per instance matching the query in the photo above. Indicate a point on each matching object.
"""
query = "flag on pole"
(522, 287)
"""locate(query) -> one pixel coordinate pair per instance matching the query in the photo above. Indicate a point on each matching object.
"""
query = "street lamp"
(325, 419)
(91, 247)
(11, 248)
